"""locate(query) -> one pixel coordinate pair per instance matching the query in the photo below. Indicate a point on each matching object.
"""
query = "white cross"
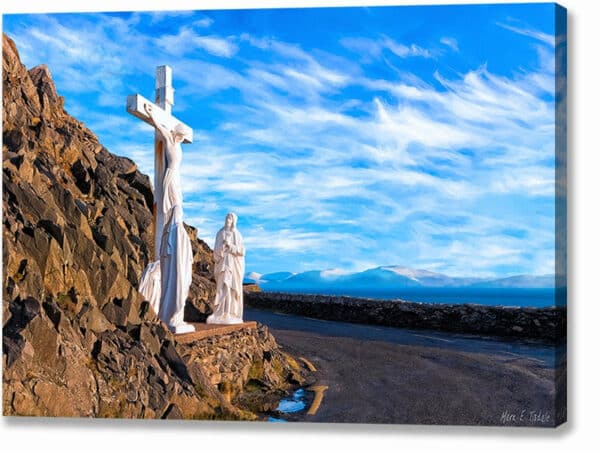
(162, 112)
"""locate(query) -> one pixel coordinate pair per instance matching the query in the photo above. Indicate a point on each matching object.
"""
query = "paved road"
(388, 375)
(537, 351)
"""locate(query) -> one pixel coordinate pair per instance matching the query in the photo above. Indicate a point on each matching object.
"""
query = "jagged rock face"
(77, 219)
(78, 338)
(56, 366)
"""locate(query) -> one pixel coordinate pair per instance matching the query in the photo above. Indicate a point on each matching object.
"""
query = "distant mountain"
(386, 278)
(255, 277)
(519, 281)
(276, 276)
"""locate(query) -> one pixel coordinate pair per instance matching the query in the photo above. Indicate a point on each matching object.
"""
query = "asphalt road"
(387, 375)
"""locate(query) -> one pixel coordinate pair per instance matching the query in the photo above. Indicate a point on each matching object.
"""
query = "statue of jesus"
(176, 254)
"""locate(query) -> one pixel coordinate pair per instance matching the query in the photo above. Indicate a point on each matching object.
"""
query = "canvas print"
(307, 215)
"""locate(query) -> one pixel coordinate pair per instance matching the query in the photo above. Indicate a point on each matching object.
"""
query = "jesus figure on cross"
(166, 281)
(176, 256)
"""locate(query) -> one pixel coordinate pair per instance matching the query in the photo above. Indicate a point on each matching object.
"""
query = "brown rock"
(95, 320)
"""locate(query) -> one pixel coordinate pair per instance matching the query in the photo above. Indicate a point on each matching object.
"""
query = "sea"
(508, 297)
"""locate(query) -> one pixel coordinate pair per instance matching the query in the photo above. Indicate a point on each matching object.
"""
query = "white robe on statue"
(176, 258)
(174, 267)
(229, 274)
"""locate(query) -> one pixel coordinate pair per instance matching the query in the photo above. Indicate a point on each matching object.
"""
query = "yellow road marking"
(310, 366)
(292, 362)
(319, 391)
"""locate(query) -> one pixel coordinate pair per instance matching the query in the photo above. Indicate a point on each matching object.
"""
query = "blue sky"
(343, 138)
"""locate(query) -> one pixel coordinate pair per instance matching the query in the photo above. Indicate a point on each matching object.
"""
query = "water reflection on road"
(290, 405)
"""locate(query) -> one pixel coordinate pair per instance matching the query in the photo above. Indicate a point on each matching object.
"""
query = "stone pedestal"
(210, 330)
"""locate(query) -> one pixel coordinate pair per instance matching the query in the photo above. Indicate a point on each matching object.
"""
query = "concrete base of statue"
(182, 328)
(204, 330)
(212, 319)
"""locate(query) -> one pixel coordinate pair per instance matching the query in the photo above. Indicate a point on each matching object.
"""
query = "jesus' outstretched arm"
(166, 134)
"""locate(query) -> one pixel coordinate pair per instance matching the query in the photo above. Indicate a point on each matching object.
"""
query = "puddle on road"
(290, 405)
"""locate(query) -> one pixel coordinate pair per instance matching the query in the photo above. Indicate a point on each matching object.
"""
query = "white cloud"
(160, 16)
(543, 37)
(374, 48)
(368, 48)
(205, 22)
(85, 52)
(296, 240)
(406, 51)
(187, 40)
(533, 181)
(315, 74)
(216, 45)
(450, 42)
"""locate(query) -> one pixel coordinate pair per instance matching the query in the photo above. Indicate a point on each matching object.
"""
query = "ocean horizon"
(515, 297)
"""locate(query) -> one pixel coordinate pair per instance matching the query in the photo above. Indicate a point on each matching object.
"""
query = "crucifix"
(162, 112)
(166, 281)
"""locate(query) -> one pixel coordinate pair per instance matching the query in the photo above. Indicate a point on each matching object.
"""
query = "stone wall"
(549, 324)
(246, 366)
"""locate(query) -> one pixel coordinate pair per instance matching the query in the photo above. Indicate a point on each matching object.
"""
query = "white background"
(581, 431)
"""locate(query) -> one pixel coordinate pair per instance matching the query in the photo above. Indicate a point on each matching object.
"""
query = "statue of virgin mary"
(229, 274)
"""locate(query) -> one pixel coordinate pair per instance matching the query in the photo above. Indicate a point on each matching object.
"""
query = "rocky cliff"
(78, 338)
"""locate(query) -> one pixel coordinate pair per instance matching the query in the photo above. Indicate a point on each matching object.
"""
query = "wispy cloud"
(450, 42)
(370, 48)
(329, 160)
(405, 51)
(187, 40)
(532, 33)
(161, 16)
(205, 22)
(396, 141)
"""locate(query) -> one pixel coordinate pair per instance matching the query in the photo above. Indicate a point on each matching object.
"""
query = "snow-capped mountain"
(520, 281)
(387, 278)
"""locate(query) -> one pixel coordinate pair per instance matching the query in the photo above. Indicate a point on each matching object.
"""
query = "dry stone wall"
(548, 324)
